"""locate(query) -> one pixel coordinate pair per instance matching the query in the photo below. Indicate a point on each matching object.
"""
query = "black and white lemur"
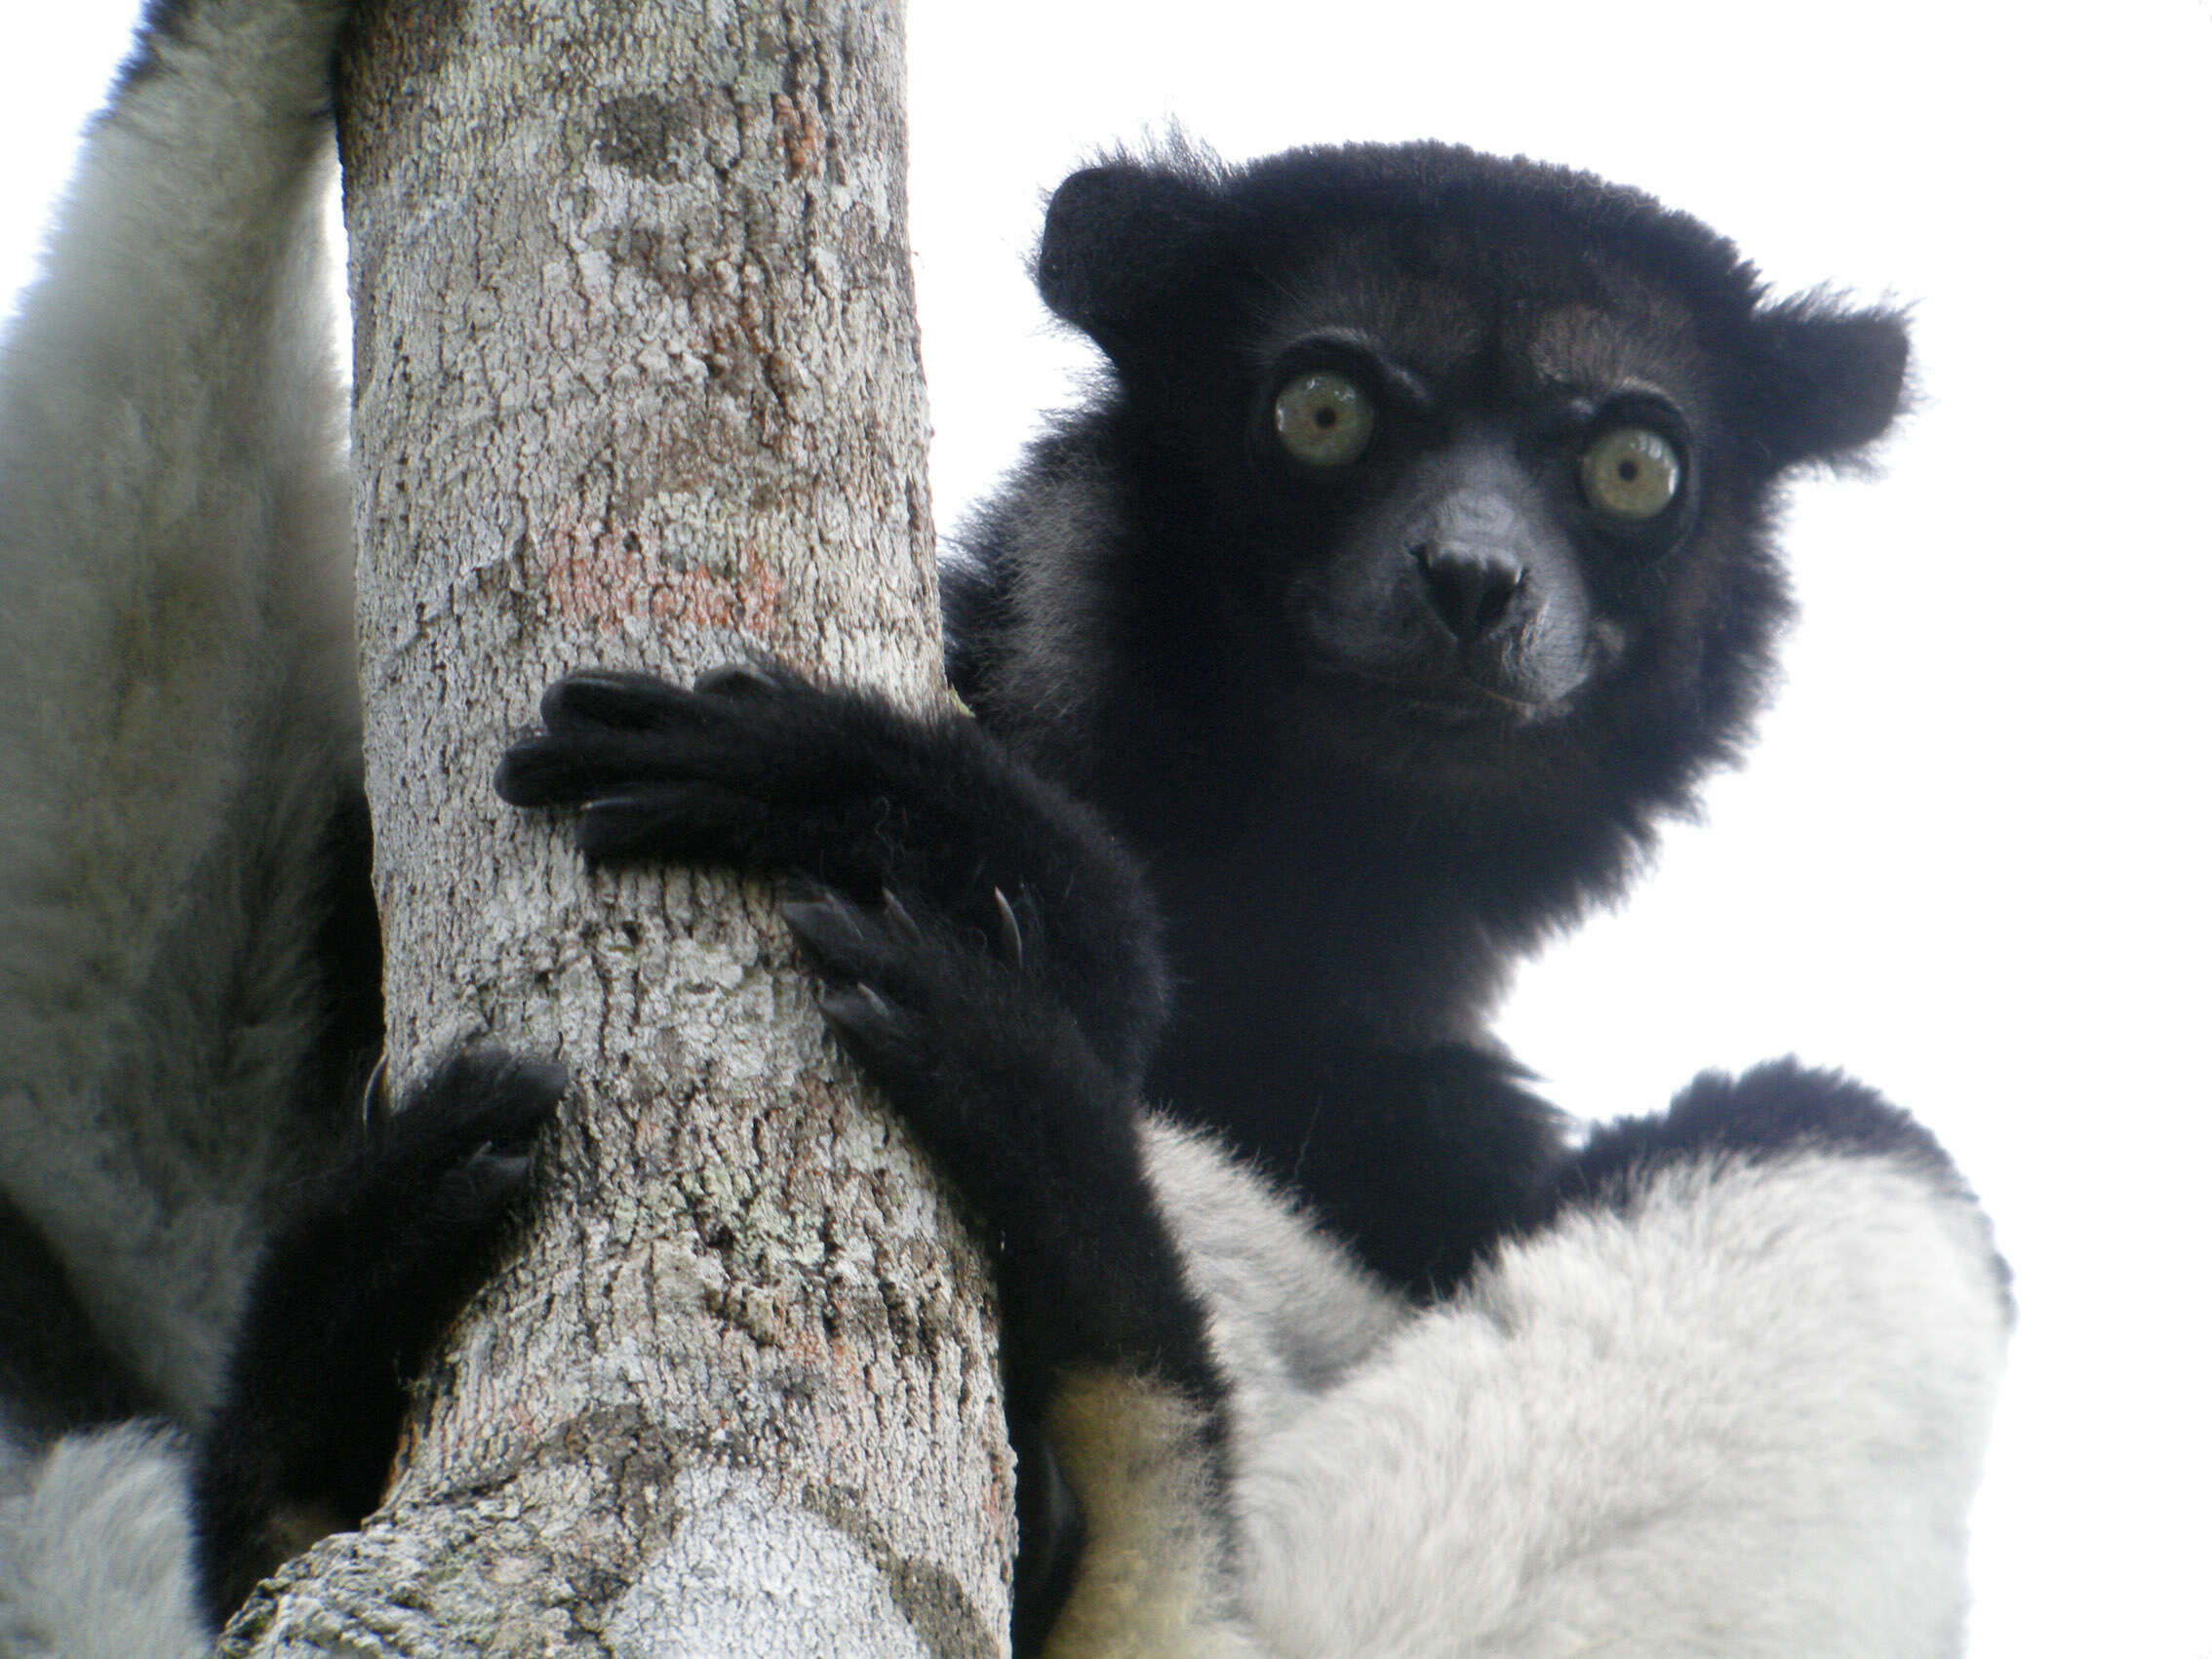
(189, 1004)
(1411, 563)
(1413, 559)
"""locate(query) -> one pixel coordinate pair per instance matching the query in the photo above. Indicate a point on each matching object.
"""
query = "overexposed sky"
(1967, 860)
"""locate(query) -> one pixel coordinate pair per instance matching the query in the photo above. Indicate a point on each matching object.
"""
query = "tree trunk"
(636, 379)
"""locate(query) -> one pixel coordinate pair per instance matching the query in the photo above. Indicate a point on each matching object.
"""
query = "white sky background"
(1967, 860)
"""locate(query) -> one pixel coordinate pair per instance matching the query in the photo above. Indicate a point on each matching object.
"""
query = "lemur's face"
(1475, 506)
(1448, 469)
(1489, 509)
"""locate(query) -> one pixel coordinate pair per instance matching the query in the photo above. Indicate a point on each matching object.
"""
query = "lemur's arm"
(762, 771)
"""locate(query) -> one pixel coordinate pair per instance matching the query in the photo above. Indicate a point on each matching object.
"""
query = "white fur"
(178, 716)
(1291, 1311)
(92, 1550)
(176, 684)
(1743, 1418)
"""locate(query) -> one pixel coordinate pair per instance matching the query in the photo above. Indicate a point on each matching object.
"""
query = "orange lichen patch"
(611, 574)
(799, 131)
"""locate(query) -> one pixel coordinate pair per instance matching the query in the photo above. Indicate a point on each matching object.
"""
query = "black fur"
(760, 771)
(1374, 727)
(344, 1312)
(1088, 1281)
(1357, 819)
(1771, 1111)
(1775, 1110)
(55, 1373)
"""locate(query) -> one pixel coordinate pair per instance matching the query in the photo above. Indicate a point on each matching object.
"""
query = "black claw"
(376, 1094)
(900, 917)
(862, 1014)
(823, 924)
(1009, 930)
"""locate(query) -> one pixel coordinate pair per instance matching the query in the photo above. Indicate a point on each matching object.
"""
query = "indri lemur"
(1412, 561)
(187, 956)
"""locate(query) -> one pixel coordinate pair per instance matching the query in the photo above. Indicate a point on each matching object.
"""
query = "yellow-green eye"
(1630, 474)
(1323, 418)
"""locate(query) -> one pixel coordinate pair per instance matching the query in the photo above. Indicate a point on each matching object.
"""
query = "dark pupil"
(1325, 417)
(1628, 470)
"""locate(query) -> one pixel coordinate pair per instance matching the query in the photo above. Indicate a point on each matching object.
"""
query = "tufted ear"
(1826, 378)
(1115, 238)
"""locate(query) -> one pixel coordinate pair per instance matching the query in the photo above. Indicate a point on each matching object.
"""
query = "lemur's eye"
(1630, 474)
(1323, 418)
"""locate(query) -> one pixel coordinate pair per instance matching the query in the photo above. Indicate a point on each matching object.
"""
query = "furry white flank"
(1742, 1416)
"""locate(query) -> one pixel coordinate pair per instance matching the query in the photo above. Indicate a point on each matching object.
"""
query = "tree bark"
(636, 378)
